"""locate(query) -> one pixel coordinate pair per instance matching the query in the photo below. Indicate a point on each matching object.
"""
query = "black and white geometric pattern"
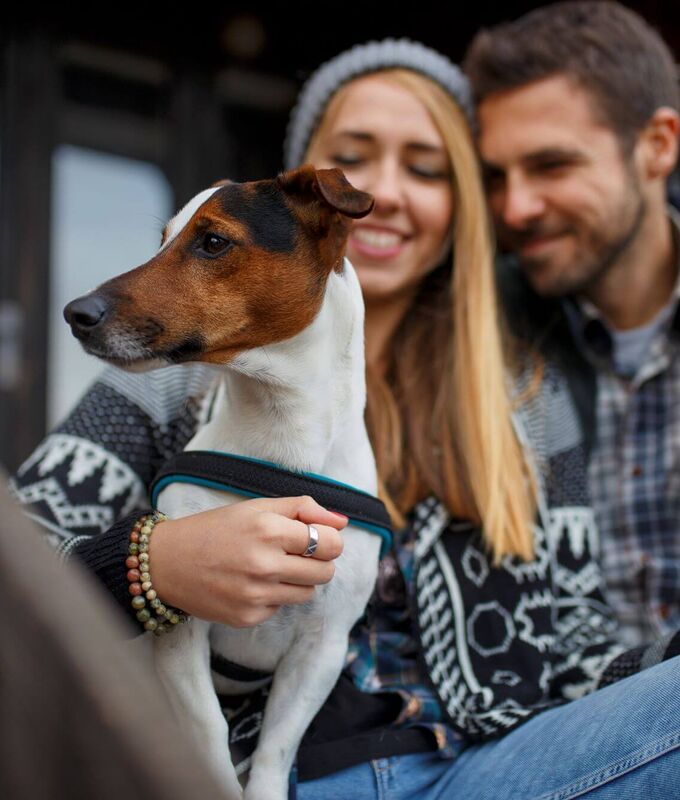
(109, 449)
(477, 622)
(63, 461)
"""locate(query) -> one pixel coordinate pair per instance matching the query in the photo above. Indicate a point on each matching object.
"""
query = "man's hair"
(603, 47)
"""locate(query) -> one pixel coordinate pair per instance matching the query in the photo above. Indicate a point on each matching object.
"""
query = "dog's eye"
(214, 244)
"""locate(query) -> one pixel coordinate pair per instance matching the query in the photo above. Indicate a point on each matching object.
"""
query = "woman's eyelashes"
(347, 160)
(430, 172)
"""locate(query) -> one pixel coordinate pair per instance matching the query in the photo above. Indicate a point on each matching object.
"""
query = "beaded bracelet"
(139, 576)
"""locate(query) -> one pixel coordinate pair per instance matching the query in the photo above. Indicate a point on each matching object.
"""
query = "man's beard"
(601, 252)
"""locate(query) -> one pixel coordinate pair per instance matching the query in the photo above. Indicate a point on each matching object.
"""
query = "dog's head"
(241, 266)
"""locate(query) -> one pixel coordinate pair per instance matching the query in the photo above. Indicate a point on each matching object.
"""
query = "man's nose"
(521, 203)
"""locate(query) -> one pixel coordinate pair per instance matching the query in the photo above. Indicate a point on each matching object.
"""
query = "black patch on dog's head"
(272, 225)
(192, 346)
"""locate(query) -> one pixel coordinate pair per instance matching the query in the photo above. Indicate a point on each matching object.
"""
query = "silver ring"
(313, 541)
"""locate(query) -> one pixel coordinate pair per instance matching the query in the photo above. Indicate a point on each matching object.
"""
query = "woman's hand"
(238, 564)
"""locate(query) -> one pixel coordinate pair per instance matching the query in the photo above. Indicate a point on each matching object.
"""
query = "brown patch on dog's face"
(248, 269)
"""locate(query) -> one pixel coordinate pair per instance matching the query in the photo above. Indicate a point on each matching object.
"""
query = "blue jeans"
(620, 743)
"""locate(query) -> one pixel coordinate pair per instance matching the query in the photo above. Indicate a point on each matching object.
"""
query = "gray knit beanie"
(362, 60)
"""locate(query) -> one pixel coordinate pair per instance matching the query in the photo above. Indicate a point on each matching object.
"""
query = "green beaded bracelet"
(139, 577)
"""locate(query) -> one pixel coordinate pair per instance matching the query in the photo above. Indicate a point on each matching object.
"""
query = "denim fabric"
(619, 743)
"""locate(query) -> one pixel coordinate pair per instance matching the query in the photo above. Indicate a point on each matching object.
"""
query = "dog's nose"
(85, 313)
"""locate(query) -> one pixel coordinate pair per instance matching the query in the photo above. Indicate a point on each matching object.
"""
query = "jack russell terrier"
(253, 277)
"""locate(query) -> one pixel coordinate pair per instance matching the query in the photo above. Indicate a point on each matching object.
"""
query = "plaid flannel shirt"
(635, 470)
(383, 655)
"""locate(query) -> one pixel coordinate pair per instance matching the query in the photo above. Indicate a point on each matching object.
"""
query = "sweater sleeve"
(589, 655)
(104, 556)
(631, 661)
(603, 663)
(586, 639)
(88, 480)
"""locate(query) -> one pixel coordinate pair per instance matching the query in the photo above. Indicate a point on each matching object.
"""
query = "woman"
(456, 682)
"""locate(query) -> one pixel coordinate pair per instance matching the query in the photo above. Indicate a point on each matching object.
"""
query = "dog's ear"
(223, 182)
(338, 192)
(331, 185)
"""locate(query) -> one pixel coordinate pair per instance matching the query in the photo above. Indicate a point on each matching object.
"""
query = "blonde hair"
(440, 418)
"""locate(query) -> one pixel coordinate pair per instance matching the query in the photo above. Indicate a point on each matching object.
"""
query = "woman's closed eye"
(429, 172)
(347, 159)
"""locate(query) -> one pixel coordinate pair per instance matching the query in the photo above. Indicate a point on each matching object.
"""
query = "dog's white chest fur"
(299, 403)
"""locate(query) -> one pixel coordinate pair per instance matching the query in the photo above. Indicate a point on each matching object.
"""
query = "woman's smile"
(374, 241)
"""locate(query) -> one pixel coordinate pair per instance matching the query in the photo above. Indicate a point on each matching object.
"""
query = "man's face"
(564, 197)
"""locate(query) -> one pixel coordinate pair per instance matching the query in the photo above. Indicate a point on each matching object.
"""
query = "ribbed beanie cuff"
(365, 59)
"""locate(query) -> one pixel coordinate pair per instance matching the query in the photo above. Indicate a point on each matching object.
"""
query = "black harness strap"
(255, 478)
(228, 669)
(261, 479)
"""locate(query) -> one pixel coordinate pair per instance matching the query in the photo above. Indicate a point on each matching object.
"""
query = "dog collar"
(255, 478)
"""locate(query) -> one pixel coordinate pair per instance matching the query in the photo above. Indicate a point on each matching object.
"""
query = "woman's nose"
(387, 186)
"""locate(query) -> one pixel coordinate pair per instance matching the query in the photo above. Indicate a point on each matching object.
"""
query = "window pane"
(107, 216)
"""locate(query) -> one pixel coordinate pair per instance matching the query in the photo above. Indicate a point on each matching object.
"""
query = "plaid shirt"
(635, 469)
(383, 651)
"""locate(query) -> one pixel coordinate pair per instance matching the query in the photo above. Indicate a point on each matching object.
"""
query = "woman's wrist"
(103, 554)
(150, 611)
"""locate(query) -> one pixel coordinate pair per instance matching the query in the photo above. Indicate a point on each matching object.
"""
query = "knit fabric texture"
(365, 59)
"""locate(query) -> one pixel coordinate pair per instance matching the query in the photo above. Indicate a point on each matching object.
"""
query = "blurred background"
(111, 119)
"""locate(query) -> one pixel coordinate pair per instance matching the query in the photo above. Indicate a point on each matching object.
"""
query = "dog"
(252, 278)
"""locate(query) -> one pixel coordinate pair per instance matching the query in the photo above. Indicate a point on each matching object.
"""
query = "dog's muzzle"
(85, 314)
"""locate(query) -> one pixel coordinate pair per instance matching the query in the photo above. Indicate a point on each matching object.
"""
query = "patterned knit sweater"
(499, 644)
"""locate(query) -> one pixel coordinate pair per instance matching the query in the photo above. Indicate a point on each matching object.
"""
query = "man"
(578, 112)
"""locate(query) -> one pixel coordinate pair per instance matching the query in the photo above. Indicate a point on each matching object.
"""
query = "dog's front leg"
(182, 660)
(303, 680)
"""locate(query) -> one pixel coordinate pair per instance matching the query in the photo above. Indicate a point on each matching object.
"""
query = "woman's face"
(387, 144)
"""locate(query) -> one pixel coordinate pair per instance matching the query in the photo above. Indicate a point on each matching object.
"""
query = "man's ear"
(658, 143)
